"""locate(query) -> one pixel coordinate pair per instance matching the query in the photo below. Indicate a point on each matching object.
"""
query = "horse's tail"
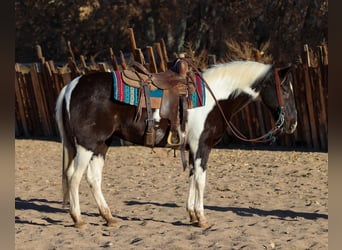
(68, 151)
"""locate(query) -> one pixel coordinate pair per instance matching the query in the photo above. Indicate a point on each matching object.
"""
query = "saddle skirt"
(127, 91)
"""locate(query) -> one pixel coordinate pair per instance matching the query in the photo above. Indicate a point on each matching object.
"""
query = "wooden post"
(309, 99)
(131, 35)
(103, 67)
(19, 101)
(52, 66)
(163, 47)
(113, 60)
(317, 84)
(320, 108)
(31, 109)
(324, 65)
(41, 102)
(93, 62)
(307, 55)
(325, 54)
(50, 91)
(162, 64)
(138, 56)
(300, 94)
(65, 77)
(261, 118)
(45, 84)
(55, 75)
(123, 60)
(70, 51)
(74, 69)
(84, 64)
(153, 66)
(40, 54)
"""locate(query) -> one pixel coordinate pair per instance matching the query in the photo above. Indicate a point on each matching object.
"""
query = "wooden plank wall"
(37, 87)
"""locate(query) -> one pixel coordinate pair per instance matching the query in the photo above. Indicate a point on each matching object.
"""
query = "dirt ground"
(254, 199)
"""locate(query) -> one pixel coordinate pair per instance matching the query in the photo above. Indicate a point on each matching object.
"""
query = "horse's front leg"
(94, 178)
(195, 203)
(190, 205)
(199, 178)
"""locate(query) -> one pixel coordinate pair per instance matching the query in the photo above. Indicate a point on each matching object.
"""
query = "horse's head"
(277, 94)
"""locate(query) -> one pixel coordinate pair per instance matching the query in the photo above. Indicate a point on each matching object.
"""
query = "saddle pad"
(130, 95)
(198, 97)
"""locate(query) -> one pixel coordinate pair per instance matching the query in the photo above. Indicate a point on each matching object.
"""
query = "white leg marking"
(66, 181)
(94, 178)
(190, 205)
(200, 177)
(75, 174)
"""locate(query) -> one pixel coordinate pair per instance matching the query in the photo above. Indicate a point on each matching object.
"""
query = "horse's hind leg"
(94, 178)
(68, 170)
(74, 176)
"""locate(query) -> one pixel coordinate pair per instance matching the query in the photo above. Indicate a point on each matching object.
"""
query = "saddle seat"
(174, 104)
(164, 80)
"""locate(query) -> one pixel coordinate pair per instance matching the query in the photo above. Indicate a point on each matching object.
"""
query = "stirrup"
(169, 140)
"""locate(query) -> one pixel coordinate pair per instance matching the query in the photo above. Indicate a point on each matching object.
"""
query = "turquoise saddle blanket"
(130, 95)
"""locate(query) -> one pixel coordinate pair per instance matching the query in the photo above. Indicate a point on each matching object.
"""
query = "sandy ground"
(254, 199)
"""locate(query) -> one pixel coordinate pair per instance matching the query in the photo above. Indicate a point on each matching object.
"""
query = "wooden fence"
(37, 87)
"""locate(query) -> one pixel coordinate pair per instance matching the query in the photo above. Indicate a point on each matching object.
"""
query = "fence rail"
(37, 87)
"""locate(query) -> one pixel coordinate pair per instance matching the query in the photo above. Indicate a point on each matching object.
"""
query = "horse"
(88, 119)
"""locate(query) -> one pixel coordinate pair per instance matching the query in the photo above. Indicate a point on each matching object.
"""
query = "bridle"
(270, 135)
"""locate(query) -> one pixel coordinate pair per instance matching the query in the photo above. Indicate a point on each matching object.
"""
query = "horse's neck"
(234, 106)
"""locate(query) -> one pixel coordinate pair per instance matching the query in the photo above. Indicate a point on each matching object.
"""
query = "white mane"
(234, 77)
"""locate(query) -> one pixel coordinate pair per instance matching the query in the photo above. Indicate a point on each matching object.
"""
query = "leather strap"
(278, 84)
(150, 121)
(184, 120)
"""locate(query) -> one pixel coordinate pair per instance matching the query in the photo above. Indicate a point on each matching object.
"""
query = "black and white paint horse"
(88, 118)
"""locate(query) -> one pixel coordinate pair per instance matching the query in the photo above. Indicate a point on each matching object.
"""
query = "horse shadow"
(144, 220)
(241, 211)
(276, 213)
(49, 207)
(39, 205)
(31, 204)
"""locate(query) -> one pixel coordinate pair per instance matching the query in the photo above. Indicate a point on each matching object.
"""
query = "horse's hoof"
(112, 223)
(193, 218)
(202, 224)
(81, 225)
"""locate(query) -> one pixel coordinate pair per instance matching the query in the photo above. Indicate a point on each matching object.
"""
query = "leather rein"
(270, 135)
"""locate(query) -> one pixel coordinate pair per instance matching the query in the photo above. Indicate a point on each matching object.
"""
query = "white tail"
(65, 151)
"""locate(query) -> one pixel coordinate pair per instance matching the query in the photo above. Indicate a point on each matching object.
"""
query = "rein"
(270, 135)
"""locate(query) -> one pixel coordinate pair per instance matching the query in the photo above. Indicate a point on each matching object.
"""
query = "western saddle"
(177, 83)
